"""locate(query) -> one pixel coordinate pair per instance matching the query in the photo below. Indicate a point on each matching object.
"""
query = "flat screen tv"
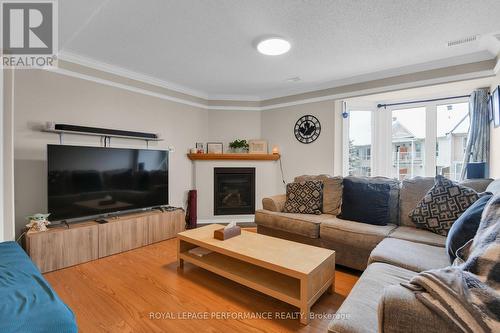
(88, 182)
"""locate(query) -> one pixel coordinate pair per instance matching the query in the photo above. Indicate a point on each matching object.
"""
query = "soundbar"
(65, 128)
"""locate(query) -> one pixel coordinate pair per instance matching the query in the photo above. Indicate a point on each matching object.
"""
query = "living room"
(246, 166)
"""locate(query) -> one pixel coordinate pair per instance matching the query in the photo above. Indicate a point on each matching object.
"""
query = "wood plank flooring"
(142, 291)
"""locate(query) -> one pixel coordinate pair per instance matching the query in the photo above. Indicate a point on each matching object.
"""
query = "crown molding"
(388, 73)
(496, 70)
(473, 71)
(74, 74)
(120, 71)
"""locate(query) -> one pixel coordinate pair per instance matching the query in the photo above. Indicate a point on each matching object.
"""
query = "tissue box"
(223, 234)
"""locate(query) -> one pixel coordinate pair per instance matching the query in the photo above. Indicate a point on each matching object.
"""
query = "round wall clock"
(307, 129)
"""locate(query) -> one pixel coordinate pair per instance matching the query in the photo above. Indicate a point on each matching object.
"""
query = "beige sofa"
(388, 255)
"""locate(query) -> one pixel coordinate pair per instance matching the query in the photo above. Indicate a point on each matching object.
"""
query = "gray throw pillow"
(442, 205)
(304, 197)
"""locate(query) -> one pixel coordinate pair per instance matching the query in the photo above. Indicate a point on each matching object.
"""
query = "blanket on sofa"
(467, 293)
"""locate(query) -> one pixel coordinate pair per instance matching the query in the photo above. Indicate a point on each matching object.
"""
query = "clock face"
(307, 129)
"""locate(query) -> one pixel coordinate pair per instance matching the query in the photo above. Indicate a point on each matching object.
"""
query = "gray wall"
(42, 96)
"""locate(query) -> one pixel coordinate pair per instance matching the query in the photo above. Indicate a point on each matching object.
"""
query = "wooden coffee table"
(292, 272)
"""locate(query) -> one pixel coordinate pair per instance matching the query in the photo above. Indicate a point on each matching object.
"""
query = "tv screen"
(96, 181)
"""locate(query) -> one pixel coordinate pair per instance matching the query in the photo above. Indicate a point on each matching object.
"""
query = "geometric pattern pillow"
(442, 205)
(304, 197)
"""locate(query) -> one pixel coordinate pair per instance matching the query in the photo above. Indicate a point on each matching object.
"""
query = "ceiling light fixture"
(273, 46)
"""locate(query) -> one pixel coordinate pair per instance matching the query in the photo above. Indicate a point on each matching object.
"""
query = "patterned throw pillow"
(442, 205)
(304, 197)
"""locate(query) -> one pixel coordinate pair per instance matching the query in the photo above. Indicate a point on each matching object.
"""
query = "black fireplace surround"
(234, 191)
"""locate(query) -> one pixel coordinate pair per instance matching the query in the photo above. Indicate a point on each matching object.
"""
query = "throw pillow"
(394, 184)
(304, 197)
(365, 201)
(465, 227)
(332, 191)
(442, 205)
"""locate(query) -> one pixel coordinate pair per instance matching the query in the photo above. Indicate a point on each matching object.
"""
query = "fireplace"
(234, 191)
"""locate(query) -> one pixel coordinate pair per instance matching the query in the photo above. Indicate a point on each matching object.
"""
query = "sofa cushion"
(357, 234)
(494, 187)
(274, 203)
(443, 205)
(465, 227)
(332, 191)
(365, 201)
(301, 224)
(413, 234)
(304, 197)
(416, 257)
(478, 185)
(399, 311)
(360, 308)
(394, 186)
(412, 191)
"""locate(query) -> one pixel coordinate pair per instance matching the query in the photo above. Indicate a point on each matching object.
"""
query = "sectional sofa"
(388, 254)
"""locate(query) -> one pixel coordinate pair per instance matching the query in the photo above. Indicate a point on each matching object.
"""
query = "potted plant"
(239, 146)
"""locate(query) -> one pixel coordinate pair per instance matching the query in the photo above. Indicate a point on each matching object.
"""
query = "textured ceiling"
(207, 46)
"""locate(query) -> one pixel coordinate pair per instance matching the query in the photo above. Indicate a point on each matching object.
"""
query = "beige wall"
(227, 125)
(495, 143)
(7, 159)
(299, 158)
(42, 96)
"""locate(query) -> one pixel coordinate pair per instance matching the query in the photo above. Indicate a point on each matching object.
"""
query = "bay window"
(405, 141)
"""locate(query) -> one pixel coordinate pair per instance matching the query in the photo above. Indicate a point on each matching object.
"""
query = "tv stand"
(80, 242)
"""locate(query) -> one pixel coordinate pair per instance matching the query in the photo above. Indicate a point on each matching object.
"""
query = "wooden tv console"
(62, 247)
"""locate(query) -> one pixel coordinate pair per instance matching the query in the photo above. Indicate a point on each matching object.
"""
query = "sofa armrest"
(274, 203)
(399, 311)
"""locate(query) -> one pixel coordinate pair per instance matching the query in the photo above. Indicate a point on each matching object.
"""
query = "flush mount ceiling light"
(273, 46)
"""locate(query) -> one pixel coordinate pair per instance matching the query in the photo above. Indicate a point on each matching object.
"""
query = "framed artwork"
(200, 147)
(215, 148)
(257, 147)
(495, 106)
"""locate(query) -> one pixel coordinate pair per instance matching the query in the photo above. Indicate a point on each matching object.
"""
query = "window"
(452, 130)
(421, 139)
(360, 141)
(408, 138)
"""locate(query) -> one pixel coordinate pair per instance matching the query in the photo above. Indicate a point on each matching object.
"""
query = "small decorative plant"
(239, 146)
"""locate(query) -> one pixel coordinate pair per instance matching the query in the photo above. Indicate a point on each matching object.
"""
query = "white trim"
(235, 108)
(441, 80)
(359, 93)
(124, 86)
(496, 70)
(116, 70)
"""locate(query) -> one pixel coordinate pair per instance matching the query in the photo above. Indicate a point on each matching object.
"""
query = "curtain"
(478, 140)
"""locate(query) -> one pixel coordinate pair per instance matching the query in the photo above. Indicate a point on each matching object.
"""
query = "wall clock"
(307, 129)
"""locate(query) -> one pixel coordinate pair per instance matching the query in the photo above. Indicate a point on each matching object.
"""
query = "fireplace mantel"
(234, 157)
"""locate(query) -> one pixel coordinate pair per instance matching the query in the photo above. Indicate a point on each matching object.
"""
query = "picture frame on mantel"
(257, 147)
(215, 148)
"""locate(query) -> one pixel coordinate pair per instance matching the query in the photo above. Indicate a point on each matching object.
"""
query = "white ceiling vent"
(464, 40)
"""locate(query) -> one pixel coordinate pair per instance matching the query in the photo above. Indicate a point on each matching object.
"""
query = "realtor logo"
(29, 34)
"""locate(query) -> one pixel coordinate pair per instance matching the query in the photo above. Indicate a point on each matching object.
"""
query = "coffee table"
(295, 273)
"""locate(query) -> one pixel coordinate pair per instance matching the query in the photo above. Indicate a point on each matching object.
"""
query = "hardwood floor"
(121, 293)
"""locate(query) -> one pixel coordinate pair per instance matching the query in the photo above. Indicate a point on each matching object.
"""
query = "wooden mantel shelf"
(234, 157)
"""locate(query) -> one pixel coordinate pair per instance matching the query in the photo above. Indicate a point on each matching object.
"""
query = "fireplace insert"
(234, 191)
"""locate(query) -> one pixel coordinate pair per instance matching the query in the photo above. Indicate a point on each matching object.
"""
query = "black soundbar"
(104, 131)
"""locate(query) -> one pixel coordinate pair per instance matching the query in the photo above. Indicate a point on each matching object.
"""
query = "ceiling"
(206, 48)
